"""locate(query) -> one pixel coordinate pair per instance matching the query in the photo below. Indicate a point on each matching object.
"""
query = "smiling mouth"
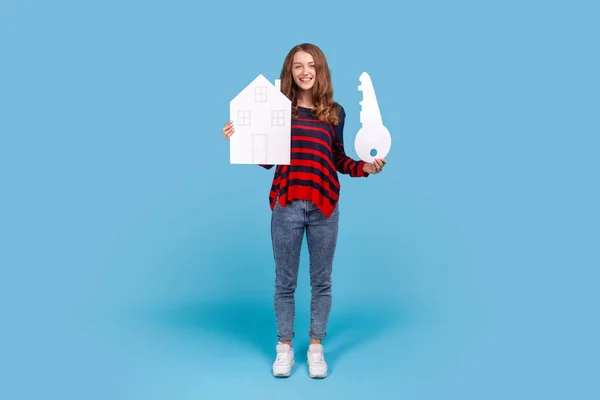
(305, 80)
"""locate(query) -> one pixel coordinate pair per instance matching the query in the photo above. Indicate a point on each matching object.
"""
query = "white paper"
(261, 117)
(373, 136)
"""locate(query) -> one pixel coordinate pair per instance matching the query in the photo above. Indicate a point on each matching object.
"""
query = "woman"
(304, 199)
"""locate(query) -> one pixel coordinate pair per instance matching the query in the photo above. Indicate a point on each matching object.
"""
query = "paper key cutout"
(373, 139)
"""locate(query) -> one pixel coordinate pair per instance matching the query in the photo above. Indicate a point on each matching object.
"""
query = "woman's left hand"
(375, 167)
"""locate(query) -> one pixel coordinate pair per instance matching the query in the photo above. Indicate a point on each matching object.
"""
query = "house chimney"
(278, 84)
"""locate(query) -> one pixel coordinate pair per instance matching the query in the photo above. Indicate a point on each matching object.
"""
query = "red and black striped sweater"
(317, 154)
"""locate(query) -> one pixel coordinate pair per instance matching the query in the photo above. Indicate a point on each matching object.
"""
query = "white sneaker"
(285, 360)
(317, 367)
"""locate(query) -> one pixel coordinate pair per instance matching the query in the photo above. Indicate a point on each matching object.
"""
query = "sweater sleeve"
(343, 163)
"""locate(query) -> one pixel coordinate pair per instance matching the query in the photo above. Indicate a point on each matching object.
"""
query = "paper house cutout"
(261, 116)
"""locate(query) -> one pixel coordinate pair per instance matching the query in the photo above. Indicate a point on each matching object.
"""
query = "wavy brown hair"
(326, 109)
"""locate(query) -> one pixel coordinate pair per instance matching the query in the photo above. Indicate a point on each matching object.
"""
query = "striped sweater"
(317, 154)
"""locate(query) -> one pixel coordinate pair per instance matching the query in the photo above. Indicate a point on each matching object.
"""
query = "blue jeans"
(288, 226)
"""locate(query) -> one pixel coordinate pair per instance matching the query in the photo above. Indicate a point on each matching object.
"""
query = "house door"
(259, 143)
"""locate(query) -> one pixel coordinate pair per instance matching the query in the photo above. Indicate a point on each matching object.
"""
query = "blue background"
(136, 261)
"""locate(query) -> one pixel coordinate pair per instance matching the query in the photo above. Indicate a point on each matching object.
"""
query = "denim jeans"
(288, 226)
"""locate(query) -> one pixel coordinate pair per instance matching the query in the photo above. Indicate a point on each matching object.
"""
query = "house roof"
(260, 80)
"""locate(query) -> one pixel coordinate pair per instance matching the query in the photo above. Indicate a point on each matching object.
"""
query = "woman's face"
(303, 70)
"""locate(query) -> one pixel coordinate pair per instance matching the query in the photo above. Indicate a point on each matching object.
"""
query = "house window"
(260, 93)
(278, 117)
(243, 117)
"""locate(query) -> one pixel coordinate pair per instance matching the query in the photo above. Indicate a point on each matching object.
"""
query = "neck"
(305, 99)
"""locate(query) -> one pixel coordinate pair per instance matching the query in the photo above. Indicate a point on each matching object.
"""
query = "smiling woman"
(306, 80)
(304, 199)
(304, 70)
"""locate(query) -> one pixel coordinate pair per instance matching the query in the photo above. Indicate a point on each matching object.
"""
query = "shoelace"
(282, 358)
(317, 358)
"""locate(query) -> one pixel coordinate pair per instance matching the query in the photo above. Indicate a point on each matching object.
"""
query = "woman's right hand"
(228, 130)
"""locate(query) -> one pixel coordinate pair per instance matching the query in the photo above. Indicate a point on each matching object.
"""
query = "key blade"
(369, 113)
